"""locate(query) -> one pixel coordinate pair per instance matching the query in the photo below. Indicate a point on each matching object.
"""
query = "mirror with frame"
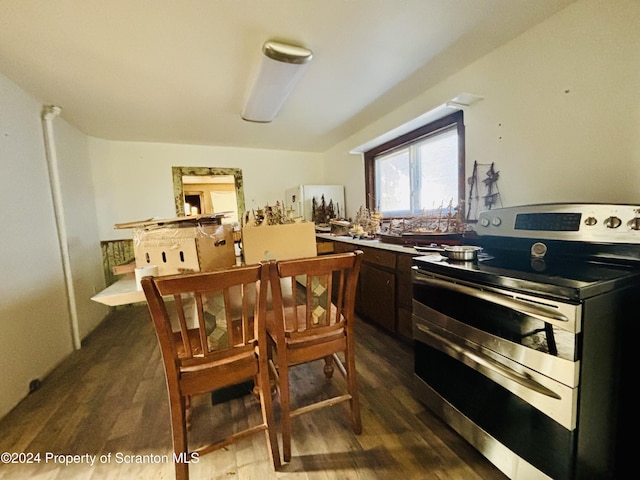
(207, 190)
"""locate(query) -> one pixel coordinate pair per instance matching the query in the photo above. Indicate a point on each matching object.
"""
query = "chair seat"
(215, 359)
(213, 375)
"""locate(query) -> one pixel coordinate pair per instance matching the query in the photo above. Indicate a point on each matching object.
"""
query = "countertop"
(375, 243)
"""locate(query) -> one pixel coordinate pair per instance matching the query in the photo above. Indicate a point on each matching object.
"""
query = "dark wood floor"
(109, 399)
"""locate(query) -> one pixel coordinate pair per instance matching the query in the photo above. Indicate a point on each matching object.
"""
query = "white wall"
(133, 179)
(81, 223)
(35, 314)
(34, 317)
(560, 117)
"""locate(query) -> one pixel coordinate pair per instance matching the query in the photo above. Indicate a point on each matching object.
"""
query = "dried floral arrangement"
(443, 220)
(271, 215)
(322, 213)
(366, 223)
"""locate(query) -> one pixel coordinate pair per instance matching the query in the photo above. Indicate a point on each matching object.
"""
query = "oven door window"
(499, 321)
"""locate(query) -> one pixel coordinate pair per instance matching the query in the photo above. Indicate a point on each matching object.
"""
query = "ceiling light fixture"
(281, 68)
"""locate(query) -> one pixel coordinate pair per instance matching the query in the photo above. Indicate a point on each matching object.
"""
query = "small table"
(122, 292)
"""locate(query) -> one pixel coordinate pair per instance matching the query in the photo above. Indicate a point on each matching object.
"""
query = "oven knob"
(613, 222)
(590, 221)
(538, 250)
(484, 221)
(634, 223)
(495, 221)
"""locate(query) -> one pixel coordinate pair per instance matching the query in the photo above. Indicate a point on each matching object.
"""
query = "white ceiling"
(179, 71)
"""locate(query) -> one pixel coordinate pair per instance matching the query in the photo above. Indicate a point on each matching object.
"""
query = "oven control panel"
(582, 222)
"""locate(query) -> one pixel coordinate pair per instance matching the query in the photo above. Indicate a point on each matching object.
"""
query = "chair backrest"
(327, 300)
(203, 317)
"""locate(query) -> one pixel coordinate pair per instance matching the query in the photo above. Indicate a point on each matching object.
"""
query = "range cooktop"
(562, 278)
(565, 251)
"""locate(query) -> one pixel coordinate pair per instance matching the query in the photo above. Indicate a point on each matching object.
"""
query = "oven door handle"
(544, 314)
(462, 354)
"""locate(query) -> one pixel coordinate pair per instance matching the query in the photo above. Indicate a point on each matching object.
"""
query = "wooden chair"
(309, 326)
(211, 331)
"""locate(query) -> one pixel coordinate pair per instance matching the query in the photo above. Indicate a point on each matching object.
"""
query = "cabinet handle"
(543, 313)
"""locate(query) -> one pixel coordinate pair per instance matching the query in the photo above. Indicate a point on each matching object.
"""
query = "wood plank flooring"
(109, 400)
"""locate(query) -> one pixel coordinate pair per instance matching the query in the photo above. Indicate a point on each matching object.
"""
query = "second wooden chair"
(309, 326)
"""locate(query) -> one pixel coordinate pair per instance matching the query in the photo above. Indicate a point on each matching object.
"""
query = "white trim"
(457, 103)
(48, 114)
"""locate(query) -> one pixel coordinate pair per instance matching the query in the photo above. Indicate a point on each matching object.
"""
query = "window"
(419, 171)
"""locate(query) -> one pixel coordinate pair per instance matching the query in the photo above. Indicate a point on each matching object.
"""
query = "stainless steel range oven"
(527, 352)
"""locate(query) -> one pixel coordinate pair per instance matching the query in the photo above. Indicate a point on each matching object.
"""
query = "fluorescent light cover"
(281, 68)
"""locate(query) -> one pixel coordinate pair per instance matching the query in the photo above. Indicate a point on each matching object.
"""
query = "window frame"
(456, 118)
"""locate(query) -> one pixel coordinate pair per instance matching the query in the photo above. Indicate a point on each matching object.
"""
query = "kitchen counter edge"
(374, 243)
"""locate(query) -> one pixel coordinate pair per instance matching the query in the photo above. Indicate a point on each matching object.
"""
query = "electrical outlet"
(34, 385)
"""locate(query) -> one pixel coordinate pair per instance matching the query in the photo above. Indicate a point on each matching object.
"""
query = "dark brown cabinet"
(384, 289)
(404, 287)
(377, 296)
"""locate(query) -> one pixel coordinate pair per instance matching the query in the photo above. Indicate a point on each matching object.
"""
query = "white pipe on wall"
(48, 114)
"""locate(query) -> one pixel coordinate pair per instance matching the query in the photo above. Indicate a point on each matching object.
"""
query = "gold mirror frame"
(178, 186)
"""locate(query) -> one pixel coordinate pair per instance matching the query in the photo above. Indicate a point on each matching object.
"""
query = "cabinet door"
(379, 257)
(405, 286)
(405, 323)
(342, 247)
(325, 247)
(405, 296)
(377, 299)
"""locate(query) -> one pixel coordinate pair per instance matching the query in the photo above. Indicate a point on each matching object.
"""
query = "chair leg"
(179, 432)
(266, 404)
(256, 387)
(328, 367)
(352, 385)
(285, 411)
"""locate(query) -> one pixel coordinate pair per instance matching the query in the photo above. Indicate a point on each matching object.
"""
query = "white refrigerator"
(300, 199)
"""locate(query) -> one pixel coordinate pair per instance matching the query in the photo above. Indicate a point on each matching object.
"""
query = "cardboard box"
(183, 245)
(279, 242)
